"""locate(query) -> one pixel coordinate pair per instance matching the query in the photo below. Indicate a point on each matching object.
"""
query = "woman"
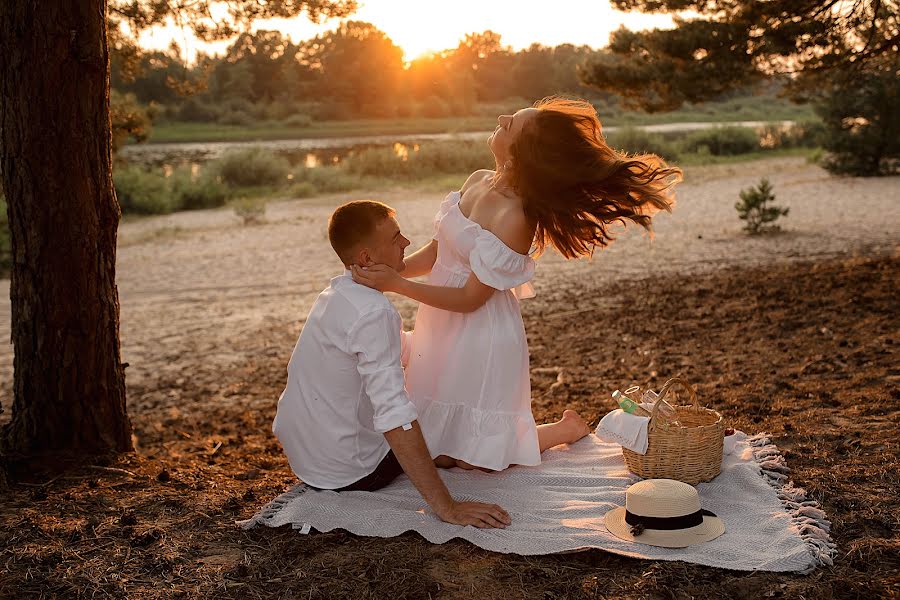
(557, 183)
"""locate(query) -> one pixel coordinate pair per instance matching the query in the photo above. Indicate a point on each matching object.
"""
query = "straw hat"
(663, 512)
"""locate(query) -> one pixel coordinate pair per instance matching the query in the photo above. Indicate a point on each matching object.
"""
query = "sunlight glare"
(424, 27)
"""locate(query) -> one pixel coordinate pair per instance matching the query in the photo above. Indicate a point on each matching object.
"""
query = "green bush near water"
(639, 141)
(803, 134)
(142, 192)
(203, 191)
(257, 172)
(429, 159)
(324, 180)
(252, 167)
(693, 147)
(722, 141)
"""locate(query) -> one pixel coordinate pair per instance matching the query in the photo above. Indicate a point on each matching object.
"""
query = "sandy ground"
(794, 334)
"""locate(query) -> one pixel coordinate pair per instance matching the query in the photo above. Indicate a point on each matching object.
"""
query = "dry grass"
(808, 353)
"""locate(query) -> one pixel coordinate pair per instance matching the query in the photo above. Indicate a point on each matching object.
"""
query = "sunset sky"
(425, 26)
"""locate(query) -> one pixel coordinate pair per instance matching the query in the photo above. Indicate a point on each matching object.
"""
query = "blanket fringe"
(806, 516)
(268, 511)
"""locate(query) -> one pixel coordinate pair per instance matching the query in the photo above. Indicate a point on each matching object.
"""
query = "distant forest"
(353, 72)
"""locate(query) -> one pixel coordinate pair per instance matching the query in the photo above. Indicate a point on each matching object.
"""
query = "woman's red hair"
(574, 185)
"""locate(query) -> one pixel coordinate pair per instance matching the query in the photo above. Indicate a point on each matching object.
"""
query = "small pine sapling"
(755, 210)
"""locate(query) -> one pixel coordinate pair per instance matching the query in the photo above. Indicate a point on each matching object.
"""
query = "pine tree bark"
(69, 382)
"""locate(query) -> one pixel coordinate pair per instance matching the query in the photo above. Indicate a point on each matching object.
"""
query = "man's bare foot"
(574, 426)
(444, 462)
(464, 465)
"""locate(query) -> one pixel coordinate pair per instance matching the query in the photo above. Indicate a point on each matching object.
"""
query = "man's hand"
(412, 454)
(483, 516)
(379, 277)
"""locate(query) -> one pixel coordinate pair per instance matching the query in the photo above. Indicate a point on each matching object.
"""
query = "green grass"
(762, 108)
(752, 108)
(699, 160)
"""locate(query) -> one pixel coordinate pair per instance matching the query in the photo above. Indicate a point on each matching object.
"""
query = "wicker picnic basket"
(690, 451)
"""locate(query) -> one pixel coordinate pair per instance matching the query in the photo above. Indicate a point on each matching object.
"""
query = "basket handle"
(662, 395)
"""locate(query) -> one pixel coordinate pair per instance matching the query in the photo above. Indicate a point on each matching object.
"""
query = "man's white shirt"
(345, 386)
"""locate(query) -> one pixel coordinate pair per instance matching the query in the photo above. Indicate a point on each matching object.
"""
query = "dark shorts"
(387, 471)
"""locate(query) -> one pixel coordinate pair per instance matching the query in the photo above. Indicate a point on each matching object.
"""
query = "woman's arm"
(421, 261)
(468, 298)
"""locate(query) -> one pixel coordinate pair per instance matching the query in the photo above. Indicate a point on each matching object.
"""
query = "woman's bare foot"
(575, 424)
(567, 430)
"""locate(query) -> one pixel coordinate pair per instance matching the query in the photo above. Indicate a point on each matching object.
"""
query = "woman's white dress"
(468, 372)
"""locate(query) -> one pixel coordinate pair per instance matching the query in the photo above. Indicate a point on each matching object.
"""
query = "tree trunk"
(69, 383)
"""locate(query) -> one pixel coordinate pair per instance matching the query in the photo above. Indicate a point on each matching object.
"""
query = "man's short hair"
(352, 223)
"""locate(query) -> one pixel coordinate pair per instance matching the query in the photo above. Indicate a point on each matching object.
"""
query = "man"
(344, 418)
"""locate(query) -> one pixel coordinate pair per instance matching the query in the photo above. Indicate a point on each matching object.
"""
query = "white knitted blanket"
(558, 507)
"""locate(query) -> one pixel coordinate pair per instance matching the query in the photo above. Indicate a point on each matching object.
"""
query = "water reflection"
(301, 152)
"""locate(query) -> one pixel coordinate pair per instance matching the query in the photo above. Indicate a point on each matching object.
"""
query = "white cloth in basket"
(625, 429)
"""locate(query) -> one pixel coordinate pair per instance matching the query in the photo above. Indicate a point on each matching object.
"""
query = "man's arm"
(412, 454)
(375, 339)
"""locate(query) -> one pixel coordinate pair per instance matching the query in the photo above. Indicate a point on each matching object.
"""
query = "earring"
(507, 165)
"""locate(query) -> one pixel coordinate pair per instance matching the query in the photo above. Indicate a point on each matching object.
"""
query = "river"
(315, 151)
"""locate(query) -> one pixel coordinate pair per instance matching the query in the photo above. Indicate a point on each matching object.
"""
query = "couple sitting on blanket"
(365, 401)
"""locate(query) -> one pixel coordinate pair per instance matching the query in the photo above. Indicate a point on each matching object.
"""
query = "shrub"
(302, 189)
(324, 180)
(278, 110)
(417, 162)
(378, 109)
(142, 192)
(435, 107)
(378, 162)
(193, 109)
(638, 141)
(251, 210)
(722, 141)
(438, 158)
(244, 106)
(755, 211)
(862, 131)
(236, 117)
(805, 134)
(298, 120)
(331, 109)
(251, 167)
(191, 192)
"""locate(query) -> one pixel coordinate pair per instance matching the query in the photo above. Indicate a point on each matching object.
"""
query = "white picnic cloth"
(559, 507)
(624, 429)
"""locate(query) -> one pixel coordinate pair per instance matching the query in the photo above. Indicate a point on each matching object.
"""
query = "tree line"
(353, 71)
